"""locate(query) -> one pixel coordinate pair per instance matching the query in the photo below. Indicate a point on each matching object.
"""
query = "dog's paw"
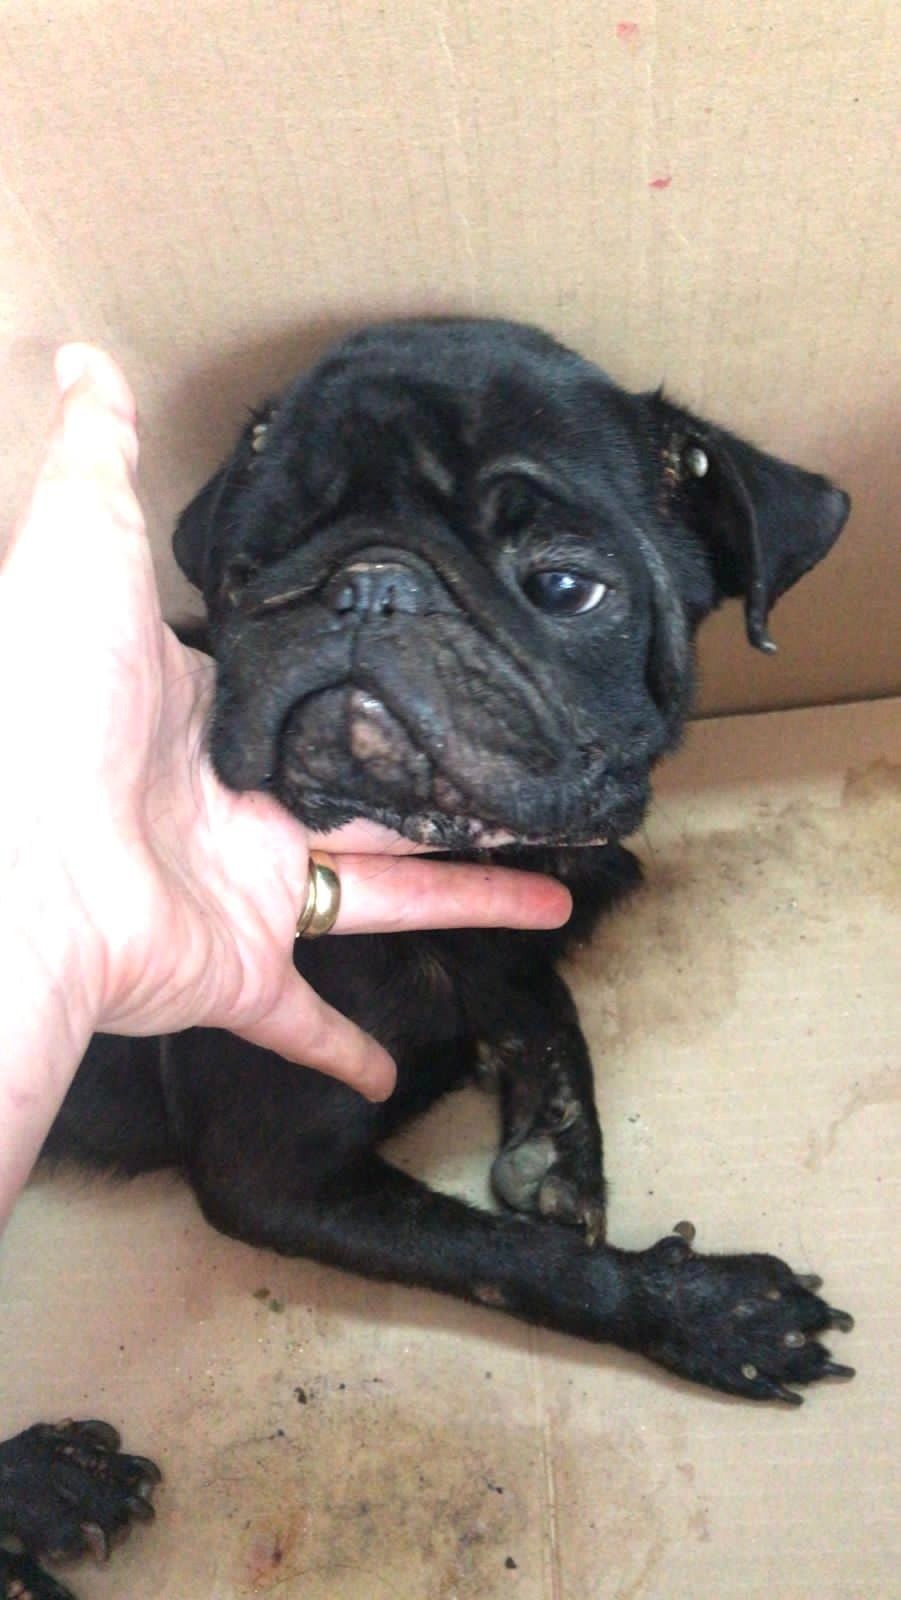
(746, 1325)
(22, 1578)
(66, 1490)
(532, 1176)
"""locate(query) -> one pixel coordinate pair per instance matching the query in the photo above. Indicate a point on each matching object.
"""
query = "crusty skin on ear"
(764, 522)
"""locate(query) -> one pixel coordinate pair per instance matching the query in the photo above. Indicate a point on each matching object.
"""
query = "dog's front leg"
(551, 1156)
(744, 1324)
(371, 1218)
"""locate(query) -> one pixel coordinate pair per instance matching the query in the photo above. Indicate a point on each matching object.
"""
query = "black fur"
(368, 558)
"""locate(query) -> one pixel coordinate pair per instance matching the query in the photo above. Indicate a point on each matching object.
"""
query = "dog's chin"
(464, 831)
(438, 830)
(341, 755)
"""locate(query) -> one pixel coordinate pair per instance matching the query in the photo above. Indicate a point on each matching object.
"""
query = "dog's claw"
(686, 1231)
(102, 1434)
(841, 1319)
(595, 1226)
(149, 1471)
(809, 1280)
(770, 1388)
(779, 1391)
(96, 1541)
(140, 1508)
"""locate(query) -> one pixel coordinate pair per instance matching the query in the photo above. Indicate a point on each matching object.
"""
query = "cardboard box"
(692, 193)
(332, 1439)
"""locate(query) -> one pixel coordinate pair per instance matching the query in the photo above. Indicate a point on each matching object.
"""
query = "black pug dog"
(452, 577)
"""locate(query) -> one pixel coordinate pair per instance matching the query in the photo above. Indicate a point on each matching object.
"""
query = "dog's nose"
(377, 589)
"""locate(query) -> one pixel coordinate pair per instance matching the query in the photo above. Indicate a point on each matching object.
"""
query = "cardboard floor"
(326, 1439)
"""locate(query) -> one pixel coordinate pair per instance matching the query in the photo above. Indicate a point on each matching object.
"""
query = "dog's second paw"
(22, 1578)
(63, 1491)
(533, 1177)
(746, 1325)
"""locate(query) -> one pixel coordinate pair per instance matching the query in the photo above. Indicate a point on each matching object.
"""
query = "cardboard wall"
(699, 193)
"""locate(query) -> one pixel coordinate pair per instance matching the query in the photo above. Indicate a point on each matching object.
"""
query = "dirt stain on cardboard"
(369, 1500)
(669, 962)
(879, 1089)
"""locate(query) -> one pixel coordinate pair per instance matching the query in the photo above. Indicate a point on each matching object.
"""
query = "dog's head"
(453, 576)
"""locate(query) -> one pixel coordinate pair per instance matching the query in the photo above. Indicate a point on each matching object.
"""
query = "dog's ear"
(200, 528)
(764, 523)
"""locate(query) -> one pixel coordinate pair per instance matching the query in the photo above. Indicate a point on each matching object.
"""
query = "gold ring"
(323, 899)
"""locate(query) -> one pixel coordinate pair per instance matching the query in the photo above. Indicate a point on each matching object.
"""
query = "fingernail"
(71, 364)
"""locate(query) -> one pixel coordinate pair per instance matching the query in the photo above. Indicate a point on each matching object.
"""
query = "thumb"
(75, 362)
(83, 511)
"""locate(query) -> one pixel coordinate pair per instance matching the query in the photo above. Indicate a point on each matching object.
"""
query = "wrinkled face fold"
(392, 673)
(426, 617)
(452, 579)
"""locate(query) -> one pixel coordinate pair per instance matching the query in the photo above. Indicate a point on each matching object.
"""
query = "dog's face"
(453, 577)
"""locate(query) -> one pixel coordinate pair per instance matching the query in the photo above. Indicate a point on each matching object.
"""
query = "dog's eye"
(563, 594)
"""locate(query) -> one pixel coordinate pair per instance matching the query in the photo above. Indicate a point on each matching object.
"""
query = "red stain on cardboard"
(661, 183)
(627, 31)
(268, 1554)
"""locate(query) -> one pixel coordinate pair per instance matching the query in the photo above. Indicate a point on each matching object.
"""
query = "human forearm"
(47, 1016)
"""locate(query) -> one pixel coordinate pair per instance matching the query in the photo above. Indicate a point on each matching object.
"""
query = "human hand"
(156, 897)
